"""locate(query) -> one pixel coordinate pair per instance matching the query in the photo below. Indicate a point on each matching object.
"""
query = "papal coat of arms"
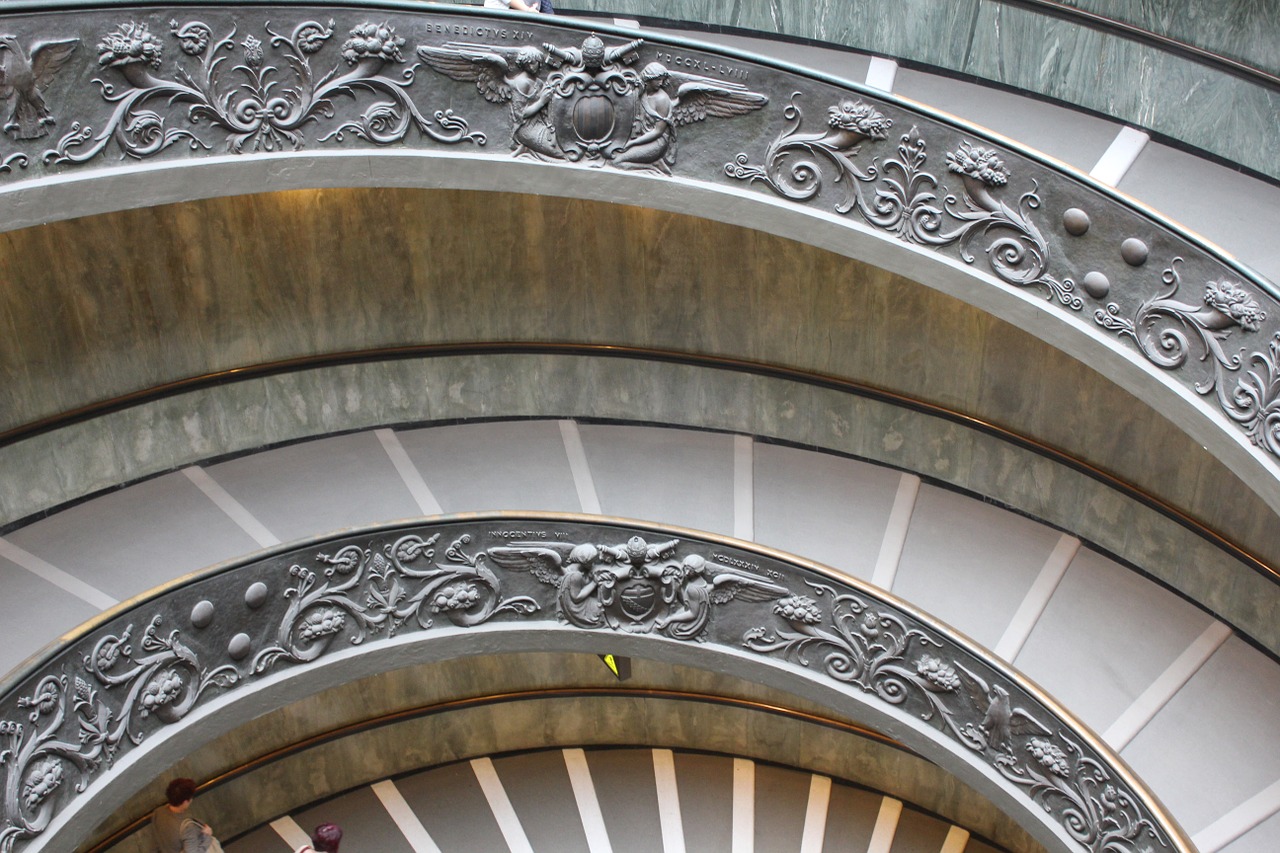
(589, 103)
(637, 587)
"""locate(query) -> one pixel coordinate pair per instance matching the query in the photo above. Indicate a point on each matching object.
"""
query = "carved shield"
(593, 120)
(638, 598)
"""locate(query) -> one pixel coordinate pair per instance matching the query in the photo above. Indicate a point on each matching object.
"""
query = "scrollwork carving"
(1173, 334)
(366, 592)
(863, 643)
(256, 105)
(106, 696)
(899, 196)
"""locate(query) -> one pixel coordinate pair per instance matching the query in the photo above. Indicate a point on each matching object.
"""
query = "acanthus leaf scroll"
(902, 198)
(232, 87)
(114, 689)
(866, 645)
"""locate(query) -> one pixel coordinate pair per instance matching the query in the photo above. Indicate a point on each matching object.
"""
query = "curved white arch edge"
(151, 183)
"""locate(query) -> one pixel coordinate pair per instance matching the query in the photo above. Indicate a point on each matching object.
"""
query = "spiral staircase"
(217, 357)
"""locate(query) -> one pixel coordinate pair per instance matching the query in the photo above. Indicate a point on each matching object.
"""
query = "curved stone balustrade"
(75, 725)
(134, 106)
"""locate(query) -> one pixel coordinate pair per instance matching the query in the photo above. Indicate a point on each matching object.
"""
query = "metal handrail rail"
(137, 673)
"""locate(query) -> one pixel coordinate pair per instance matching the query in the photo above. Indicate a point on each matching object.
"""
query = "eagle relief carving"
(589, 103)
(24, 73)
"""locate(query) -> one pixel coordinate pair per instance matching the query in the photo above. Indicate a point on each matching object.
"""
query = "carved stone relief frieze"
(149, 668)
(129, 85)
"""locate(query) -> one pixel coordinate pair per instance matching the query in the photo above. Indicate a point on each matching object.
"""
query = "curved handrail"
(1105, 23)
(846, 386)
(139, 674)
(1157, 103)
(546, 694)
(166, 93)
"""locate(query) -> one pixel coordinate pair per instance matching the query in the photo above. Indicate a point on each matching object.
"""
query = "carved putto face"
(654, 75)
(529, 59)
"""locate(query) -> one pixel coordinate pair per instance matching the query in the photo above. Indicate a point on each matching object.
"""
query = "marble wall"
(300, 777)
(1019, 47)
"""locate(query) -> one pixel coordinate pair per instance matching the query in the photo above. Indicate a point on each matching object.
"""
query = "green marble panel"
(1216, 111)
(1244, 30)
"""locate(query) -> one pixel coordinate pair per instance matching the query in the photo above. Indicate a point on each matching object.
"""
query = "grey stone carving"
(23, 76)
(592, 104)
(78, 717)
(235, 81)
(899, 196)
(64, 725)
(636, 587)
(366, 591)
(864, 643)
(1169, 333)
(232, 88)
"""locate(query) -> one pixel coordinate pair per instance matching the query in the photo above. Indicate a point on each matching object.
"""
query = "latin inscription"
(703, 64)
(725, 559)
(481, 31)
(527, 534)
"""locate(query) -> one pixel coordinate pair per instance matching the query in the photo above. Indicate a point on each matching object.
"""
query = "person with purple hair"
(324, 840)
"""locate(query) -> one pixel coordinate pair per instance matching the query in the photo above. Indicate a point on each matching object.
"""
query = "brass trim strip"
(503, 698)
(1203, 56)
(847, 386)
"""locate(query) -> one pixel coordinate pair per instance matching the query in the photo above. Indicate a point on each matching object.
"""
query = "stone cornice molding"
(75, 728)
(138, 97)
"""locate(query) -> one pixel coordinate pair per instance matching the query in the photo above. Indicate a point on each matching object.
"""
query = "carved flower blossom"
(107, 655)
(938, 673)
(130, 44)
(1050, 757)
(252, 51)
(193, 38)
(42, 780)
(870, 625)
(47, 699)
(863, 118)
(311, 36)
(1236, 302)
(373, 41)
(799, 608)
(980, 163)
(458, 596)
(162, 689)
(321, 623)
(1110, 798)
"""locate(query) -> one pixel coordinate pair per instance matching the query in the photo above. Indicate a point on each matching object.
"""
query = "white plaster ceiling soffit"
(138, 106)
(160, 676)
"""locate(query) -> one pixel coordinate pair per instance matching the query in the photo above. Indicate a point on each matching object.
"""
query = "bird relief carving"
(24, 75)
(589, 103)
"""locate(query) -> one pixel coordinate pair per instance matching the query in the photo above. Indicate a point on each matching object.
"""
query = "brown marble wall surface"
(132, 300)
(541, 723)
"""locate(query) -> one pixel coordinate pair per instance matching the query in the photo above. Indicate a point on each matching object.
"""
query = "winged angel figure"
(504, 75)
(635, 587)
(653, 141)
(22, 77)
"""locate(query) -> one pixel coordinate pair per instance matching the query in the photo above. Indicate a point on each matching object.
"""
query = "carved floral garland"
(262, 94)
(125, 686)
